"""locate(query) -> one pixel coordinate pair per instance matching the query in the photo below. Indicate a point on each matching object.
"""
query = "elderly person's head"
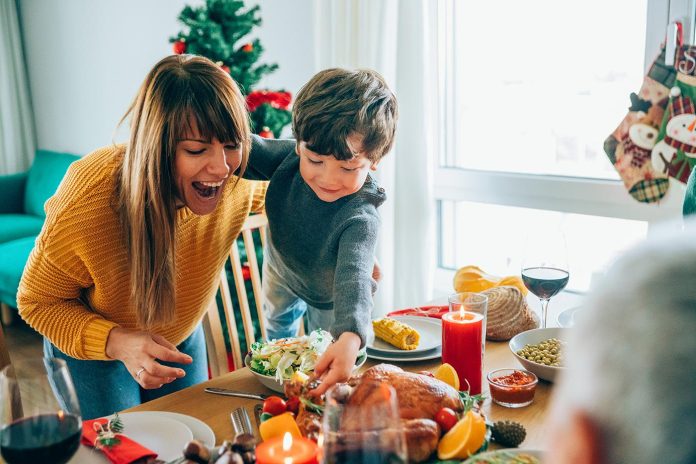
(629, 395)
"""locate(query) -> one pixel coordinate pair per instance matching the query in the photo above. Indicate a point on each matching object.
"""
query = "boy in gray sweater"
(322, 212)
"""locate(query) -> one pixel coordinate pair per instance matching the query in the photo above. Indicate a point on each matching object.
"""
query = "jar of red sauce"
(512, 388)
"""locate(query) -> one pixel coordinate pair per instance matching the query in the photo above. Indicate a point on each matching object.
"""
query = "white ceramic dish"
(569, 317)
(501, 454)
(430, 330)
(275, 385)
(164, 435)
(532, 337)
(200, 430)
(434, 354)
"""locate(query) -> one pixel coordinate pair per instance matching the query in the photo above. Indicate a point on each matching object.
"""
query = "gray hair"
(632, 355)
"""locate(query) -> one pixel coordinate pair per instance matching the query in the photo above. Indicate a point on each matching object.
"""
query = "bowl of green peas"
(541, 351)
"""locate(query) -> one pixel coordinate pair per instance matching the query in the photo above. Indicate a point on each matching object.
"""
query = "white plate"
(502, 453)
(430, 330)
(201, 431)
(154, 430)
(434, 354)
(567, 317)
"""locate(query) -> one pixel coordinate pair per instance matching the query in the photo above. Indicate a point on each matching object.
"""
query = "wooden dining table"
(215, 410)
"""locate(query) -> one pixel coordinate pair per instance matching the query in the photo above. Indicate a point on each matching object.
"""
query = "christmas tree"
(218, 30)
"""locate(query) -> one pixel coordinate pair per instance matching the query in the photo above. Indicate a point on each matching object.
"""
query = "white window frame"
(578, 195)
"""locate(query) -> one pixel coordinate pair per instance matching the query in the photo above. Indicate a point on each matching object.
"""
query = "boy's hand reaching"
(337, 362)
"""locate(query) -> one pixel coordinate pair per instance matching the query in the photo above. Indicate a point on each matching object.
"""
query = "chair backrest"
(212, 325)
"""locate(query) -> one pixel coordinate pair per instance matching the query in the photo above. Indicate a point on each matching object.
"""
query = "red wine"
(545, 282)
(45, 438)
(364, 456)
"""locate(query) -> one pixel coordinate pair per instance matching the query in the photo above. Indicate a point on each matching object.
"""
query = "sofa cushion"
(16, 226)
(44, 178)
(13, 256)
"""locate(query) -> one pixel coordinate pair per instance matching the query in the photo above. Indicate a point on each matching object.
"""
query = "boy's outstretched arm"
(337, 362)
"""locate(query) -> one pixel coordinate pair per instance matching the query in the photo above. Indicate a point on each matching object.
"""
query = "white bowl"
(533, 337)
(275, 385)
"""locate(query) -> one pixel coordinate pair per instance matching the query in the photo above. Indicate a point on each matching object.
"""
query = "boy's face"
(329, 178)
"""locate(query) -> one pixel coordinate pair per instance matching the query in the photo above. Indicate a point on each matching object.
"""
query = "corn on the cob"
(396, 333)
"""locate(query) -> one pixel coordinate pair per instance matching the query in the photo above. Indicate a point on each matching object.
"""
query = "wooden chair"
(212, 325)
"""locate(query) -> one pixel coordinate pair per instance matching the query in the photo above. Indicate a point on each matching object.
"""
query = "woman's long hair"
(181, 92)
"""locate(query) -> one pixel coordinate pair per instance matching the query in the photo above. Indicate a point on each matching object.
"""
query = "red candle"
(287, 450)
(462, 347)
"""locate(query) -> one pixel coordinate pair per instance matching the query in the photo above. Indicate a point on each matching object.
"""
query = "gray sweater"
(324, 251)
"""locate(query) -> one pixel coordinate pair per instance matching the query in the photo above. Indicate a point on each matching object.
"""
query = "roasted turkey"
(419, 398)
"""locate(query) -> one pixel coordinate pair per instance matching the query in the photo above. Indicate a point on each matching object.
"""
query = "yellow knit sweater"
(75, 286)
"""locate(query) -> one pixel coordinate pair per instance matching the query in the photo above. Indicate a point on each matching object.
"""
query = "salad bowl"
(274, 362)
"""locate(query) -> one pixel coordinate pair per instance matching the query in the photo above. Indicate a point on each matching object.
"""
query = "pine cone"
(509, 433)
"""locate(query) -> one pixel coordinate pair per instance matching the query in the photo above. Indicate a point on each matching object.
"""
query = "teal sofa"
(22, 215)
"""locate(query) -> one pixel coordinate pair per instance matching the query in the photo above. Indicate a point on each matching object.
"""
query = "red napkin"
(125, 452)
(425, 311)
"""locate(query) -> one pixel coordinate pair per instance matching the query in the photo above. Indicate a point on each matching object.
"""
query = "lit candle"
(287, 450)
(462, 347)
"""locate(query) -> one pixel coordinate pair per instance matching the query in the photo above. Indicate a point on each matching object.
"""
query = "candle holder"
(464, 338)
(287, 449)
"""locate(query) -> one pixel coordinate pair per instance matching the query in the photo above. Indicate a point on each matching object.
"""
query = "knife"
(238, 394)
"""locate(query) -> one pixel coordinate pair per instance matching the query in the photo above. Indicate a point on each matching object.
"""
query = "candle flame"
(287, 461)
(287, 441)
(61, 415)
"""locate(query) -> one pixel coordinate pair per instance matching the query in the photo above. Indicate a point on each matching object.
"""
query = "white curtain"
(396, 38)
(17, 140)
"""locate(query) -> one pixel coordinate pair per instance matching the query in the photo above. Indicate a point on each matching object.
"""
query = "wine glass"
(361, 424)
(46, 426)
(545, 267)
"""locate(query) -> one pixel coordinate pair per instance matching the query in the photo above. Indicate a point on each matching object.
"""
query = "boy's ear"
(373, 167)
(297, 147)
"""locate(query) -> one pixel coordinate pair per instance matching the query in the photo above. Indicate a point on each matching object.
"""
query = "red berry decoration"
(225, 68)
(266, 133)
(248, 47)
(179, 47)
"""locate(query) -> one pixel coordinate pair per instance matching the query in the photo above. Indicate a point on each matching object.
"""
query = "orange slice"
(464, 438)
(447, 374)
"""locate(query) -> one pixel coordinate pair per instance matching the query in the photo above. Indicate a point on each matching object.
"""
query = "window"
(528, 91)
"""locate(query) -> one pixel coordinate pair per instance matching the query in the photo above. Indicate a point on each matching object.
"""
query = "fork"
(241, 421)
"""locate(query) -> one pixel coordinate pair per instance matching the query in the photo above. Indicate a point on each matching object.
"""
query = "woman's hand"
(139, 351)
(337, 362)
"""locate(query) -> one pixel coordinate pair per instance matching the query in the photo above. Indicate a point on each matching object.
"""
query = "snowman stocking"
(675, 153)
(629, 147)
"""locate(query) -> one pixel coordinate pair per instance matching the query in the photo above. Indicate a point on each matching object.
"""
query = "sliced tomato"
(274, 405)
(446, 418)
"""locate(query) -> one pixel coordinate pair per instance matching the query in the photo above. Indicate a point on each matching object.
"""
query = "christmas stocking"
(675, 153)
(630, 146)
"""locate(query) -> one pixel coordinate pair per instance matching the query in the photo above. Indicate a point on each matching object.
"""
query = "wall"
(86, 59)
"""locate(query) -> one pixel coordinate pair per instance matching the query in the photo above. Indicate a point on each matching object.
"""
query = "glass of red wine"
(39, 413)
(362, 425)
(545, 268)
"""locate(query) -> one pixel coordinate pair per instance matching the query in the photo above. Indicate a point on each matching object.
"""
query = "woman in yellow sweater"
(135, 238)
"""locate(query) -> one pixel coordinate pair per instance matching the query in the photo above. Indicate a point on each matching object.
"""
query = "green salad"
(283, 357)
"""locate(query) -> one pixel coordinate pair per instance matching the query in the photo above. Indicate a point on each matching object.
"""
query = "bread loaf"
(508, 313)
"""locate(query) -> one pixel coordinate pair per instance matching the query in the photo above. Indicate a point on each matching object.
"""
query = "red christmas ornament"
(179, 47)
(225, 68)
(266, 133)
(248, 47)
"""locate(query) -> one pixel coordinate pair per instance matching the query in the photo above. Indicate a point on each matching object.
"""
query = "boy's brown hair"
(337, 102)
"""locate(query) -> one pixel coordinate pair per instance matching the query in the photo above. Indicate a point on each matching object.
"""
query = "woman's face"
(202, 168)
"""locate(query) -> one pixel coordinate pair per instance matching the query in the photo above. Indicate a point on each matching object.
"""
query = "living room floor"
(25, 345)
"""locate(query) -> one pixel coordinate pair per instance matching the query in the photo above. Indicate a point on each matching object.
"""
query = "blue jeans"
(105, 387)
(283, 310)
